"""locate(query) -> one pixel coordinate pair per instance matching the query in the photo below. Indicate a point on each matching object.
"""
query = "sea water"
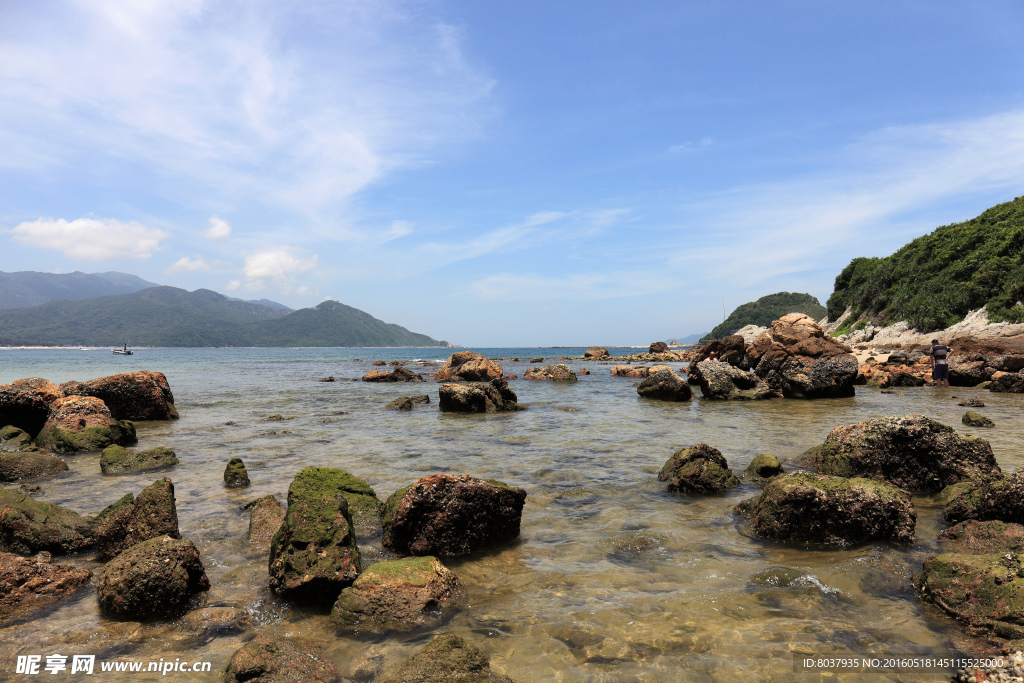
(612, 579)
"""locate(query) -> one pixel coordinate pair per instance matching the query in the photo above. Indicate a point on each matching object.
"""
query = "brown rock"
(27, 584)
(630, 371)
(467, 366)
(132, 520)
(18, 466)
(478, 397)
(142, 395)
(797, 360)
(396, 375)
(658, 347)
(596, 352)
(264, 520)
(266, 660)
(152, 579)
(25, 403)
(555, 373)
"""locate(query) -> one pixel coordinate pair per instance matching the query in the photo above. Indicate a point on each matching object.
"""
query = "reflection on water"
(613, 578)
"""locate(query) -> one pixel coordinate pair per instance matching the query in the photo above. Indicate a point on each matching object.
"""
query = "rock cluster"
(467, 366)
(555, 373)
(596, 352)
(133, 396)
(723, 382)
(797, 360)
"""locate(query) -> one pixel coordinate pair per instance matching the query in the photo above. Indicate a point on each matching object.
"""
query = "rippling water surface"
(613, 578)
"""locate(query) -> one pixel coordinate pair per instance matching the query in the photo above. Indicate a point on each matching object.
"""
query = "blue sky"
(501, 174)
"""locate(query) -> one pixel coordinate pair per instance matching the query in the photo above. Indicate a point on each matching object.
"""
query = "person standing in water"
(940, 367)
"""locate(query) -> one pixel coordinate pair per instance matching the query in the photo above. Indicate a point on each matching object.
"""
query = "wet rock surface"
(14, 440)
(118, 460)
(235, 474)
(132, 520)
(25, 403)
(399, 595)
(136, 396)
(984, 591)
(277, 660)
(797, 360)
(407, 402)
(27, 584)
(478, 397)
(764, 466)
(836, 511)
(999, 499)
(467, 366)
(555, 373)
(396, 375)
(18, 466)
(29, 526)
(313, 555)
(447, 658)
(630, 371)
(698, 469)
(973, 419)
(1008, 384)
(981, 538)
(665, 385)
(265, 517)
(723, 382)
(151, 580)
(447, 515)
(913, 452)
(83, 423)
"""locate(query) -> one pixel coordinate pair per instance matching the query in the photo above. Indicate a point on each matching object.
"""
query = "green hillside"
(935, 280)
(766, 309)
(167, 316)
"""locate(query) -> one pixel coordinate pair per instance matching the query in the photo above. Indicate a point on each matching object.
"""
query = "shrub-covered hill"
(935, 280)
(766, 309)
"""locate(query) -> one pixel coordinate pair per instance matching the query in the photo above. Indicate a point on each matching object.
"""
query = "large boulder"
(698, 469)
(798, 360)
(657, 347)
(118, 460)
(279, 660)
(25, 403)
(447, 659)
(14, 440)
(968, 369)
(723, 382)
(313, 556)
(83, 423)
(18, 466)
(596, 352)
(30, 584)
(136, 396)
(999, 499)
(985, 591)
(448, 515)
(396, 375)
(467, 366)
(913, 452)
(154, 579)
(132, 520)
(556, 373)
(665, 385)
(265, 517)
(1008, 384)
(399, 595)
(837, 511)
(28, 526)
(478, 397)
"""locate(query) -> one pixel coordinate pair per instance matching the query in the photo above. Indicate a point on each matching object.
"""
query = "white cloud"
(278, 267)
(289, 105)
(190, 264)
(219, 229)
(91, 239)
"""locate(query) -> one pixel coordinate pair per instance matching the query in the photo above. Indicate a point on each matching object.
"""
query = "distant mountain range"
(168, 316)
(30, 288)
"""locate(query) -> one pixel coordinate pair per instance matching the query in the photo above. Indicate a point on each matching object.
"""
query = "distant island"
(168, 316)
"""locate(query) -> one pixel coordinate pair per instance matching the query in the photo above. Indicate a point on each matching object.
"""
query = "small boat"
(123, 352)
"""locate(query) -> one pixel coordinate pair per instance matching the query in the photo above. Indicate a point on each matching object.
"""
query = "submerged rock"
(25, 403)
(447, 658)
(277, 660)
(723, 382)
(972, 403)
(14, 440)
(29, 526)
(665, 385)
(973, 419)
(555, 373)
(698, 469)
(264, 520)
(630, 371)
(235, 475)
(596, 352)
(83, 423)
(154, 579)
(478, 397)
(467, 366)
(406, 402)
(999, 499)
(117, 460)
(399, 595)
(27, 584)
(983, 538)
(133, 396)
(132, 520)
(449, 515)
(313, 555)
(764, 466)
(396, 375)
(913, 452)
(982, 590)
(18, 466)
(814, 508)
(798, 360)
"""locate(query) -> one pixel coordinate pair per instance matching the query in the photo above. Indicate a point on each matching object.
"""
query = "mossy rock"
(153, 579)
(698, 469)
(1001, 499)
(777, 577)
(985, 591)
(29, 526)
(235, 475)
(92, 438)
(447, 658)
(973, 419)
(118, 460)
(132, 520)
(981, 538)
(13, 440)
(764, 466)
(364, 507)
(18, 466)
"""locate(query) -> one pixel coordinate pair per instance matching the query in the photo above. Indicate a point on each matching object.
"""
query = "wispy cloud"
(585, 286)
(91, 239)
(188, 264)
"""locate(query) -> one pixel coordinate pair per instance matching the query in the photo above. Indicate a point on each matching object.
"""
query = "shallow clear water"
(613, 578)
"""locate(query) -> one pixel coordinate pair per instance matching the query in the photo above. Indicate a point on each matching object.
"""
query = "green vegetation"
(167, 316)
(767, 309)
(935, 280)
